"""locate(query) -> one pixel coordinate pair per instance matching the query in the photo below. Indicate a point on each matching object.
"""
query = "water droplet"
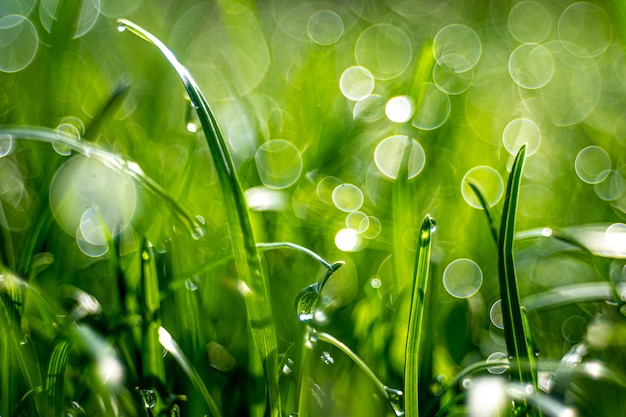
(327, 358)
(433, 225)
(396, 400)
(306, 301)
(310, 338)
(294, 414)
(190, 285)
(149, 397)
(121, 27)
(288, 367)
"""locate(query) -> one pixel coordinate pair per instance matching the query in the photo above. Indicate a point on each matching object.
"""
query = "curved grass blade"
(247, 259)
(516, 331)
(480, 195)
(112, 161)
(416, 360)
(167, 341)
(27, 398)
(56, 375)
(394, 397)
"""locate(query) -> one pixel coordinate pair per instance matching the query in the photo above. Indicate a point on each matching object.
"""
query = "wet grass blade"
(111, 161)
(247, 259)
(516, 332)
(152, 353)
(56, 375)
(167, 341)
(415, 361)
(480, 195)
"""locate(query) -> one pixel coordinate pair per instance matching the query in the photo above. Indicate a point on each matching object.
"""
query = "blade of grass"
(108, 109)
(516, 331)
(480, 195)
(55, 376)
(246, 256)
(112, 161)
(167, 341)
(152, 357)
(415, 378)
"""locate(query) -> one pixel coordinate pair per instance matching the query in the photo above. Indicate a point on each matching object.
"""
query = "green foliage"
(155, 262)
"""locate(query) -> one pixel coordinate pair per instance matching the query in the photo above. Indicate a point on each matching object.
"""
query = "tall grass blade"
(246, 256)
(167, 341)
(416, 359)
(55, 377)
(516, 332)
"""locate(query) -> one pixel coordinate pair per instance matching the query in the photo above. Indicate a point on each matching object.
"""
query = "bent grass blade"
(111, 161)
(247, 259)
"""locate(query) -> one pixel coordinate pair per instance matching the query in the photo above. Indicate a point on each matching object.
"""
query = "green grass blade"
(415, 382)
(480, 195)
(516, 331)
(55, 377)
(246, 256)
(150, 299)
(108, 109)
(111, 161)
(167, 341)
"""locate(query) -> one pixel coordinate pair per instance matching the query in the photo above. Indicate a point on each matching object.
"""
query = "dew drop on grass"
(347, 197)
(519, 132)
(531, 66)
(385, 50)
(149, 397)
(462, 278)
(18, 43)
(388, 156)
(396, 400)
(279, 163)
(495, 314)
(585, 29)
(457, 47)
(306, 301)
(190, 285)
(489, 181)
(529, 21)
(325, 27)
(592, 164)
(433, 110)
(356, 83)
(399, 109)
(310, 338)
(287, 367)
(496, 357)
(327, 358)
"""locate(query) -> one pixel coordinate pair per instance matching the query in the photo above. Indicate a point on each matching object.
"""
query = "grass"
(251, 242)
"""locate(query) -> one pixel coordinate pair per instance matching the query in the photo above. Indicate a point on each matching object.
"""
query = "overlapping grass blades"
(514, 331)
(247, 259)
(415, 361)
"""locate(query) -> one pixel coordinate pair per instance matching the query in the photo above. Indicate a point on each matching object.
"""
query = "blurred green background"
(316, 101)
